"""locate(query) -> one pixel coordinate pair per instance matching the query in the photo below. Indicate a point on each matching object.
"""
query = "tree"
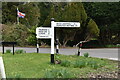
(45, 8)
(9, 10)
(92, 30)
(32, 12)
(71, 12)
(106, 15)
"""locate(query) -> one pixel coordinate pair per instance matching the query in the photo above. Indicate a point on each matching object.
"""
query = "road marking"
(2, 70)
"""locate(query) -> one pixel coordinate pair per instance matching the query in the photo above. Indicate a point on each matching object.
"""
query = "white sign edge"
(66, 22)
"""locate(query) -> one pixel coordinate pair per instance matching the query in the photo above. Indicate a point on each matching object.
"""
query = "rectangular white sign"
(66, 24)
(43, 32)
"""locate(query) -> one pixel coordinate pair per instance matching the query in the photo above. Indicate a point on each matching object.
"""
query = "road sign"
(66, 24)
(43, 32)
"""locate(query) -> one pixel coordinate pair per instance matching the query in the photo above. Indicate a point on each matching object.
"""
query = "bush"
(13, 32)
(58, 73)
(79, 64)
(65, 63)
(19, 51)
(8, 51)
(86, 54)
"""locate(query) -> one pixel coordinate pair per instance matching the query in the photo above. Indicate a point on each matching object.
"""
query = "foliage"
(58, 73)
(92, 30)
(19, 51)
(79, 15)
(65, 63)
(57, 57)
(86, 54)
(107, 18)
(15, 33)
(9, 10)
(70, 12)
(93, 64)
(45, 8)
(8, 51)
(20, 33)
(112, 46)
(32, 35)
(79, 64)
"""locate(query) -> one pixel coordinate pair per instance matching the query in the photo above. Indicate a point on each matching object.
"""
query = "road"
(111, 53)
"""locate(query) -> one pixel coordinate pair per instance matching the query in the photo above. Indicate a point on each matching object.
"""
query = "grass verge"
(33, 65)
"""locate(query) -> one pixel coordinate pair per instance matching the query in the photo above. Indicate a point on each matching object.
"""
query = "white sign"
(43, 32)
(66, 24)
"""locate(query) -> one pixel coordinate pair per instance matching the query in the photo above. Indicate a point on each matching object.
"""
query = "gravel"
(113, 74)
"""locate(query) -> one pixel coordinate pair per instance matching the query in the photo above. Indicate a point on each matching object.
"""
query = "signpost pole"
(57, 47)
(37, 46)
(13, 49)
(3, 48)
(79, 48)
(52, 40)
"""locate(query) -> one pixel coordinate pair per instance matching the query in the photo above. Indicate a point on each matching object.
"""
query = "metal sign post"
(52, 41)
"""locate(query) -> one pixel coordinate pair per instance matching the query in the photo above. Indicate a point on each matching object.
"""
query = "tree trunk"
(64, 43)
(67, 38)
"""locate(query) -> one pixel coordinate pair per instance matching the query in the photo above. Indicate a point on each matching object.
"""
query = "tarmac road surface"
(111, 53)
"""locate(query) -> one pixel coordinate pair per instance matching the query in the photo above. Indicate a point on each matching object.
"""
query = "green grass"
(112, 46)
(0, 53)
(33, 65)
